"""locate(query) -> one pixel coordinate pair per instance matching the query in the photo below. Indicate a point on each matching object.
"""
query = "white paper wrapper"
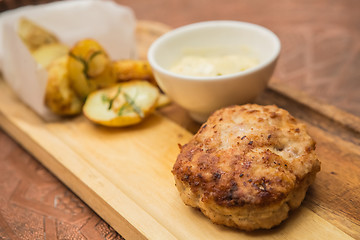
(112, 25)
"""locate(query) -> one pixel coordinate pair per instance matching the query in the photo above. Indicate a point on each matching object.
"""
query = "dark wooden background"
(320, 56)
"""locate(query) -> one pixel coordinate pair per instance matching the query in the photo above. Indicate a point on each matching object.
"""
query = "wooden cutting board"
(124, 174)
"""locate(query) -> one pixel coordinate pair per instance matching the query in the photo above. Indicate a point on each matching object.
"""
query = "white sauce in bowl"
(211, 66)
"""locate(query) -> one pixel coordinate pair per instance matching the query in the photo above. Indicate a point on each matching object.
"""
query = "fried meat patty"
(247, 166)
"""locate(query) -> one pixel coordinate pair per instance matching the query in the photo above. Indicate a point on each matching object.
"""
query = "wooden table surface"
(320, 56)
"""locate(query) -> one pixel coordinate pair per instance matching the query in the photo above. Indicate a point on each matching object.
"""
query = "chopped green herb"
(105, 98)
(94, 54)
(124, 107)
(84, 62)
(130, 104)
(127, 106)
(135, 107)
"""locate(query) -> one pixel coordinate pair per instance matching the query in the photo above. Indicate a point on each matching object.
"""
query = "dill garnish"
(128, 105)
(110, 100)
(84, 62)
(135, 107)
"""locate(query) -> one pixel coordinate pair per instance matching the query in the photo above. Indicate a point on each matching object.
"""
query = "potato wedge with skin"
(46, 54)
(33, 35)
(59, 97)
(123, 104)
(89, 67)
(126, 70)
(163, 100)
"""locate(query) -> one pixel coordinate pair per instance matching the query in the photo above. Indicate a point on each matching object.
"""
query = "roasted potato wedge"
(125, 70)
(89, 67)
(162, 101)
(59, 96)
(123, 104)
(33, 35)
(46, 54)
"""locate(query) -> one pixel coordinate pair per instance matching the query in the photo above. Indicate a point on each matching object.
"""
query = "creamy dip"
(211, 66)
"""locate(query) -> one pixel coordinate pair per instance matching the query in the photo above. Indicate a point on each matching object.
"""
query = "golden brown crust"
(247, 157)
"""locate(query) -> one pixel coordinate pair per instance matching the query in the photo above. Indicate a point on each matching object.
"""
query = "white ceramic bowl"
(203, 95)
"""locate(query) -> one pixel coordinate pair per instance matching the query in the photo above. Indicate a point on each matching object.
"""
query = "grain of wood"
(124, 175)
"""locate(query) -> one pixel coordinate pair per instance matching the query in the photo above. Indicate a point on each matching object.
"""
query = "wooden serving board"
(124, 174)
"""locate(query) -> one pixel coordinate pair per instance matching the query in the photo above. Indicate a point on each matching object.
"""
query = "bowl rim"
(215, 23)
